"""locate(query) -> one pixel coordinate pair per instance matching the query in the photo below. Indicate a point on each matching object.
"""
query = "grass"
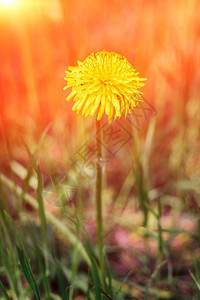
(32, 265)
(53, 256)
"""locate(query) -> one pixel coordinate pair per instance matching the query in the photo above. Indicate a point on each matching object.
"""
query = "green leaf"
(4, 291)
(28, 271)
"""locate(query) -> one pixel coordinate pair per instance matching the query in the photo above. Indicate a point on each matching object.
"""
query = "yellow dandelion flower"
(105, 82)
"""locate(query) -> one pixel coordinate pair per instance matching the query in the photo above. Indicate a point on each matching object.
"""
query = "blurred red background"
(40, 39)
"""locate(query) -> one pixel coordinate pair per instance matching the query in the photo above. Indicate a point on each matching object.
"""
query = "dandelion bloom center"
(104, 82)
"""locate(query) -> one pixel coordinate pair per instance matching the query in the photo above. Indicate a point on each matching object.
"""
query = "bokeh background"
(38, 41)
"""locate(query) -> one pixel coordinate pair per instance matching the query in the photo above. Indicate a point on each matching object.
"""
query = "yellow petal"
(96, 104)
(107, 108)
(87, 104)
(81, 103)
(71, 95)
(66, 87)
(110, 113)
(116, 105)
(100, 113)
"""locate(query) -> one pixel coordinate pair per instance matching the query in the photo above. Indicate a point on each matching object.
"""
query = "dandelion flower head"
(104, 82)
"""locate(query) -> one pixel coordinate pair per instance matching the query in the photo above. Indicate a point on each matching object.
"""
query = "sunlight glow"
(7, 2)
(14, 7)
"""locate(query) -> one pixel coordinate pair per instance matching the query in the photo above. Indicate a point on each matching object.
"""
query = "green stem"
(99, 222)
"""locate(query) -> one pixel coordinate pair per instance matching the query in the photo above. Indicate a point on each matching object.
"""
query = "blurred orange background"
(40, 39)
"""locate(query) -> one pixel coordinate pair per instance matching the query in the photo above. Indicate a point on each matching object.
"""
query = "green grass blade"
(119, 290)
(9, 257)
(88, 292)
(28, 271)
(196, 281)
(96, 281)
(108, 273)
(41, 207)
(61, 280)
(39, 193)
(160, 235)
(45, 280)
(75, 263)
(95, 273)
(140, 181)
(4, 291)
(153, 276)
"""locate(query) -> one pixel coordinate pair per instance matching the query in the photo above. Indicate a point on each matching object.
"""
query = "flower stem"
(99, 222)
